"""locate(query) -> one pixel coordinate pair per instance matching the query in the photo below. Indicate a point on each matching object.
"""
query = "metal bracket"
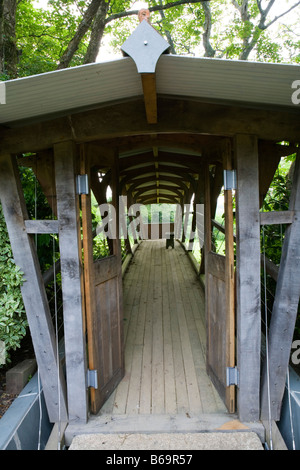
(92, 378)
(232, 376)
(82, 184)
(229, 179)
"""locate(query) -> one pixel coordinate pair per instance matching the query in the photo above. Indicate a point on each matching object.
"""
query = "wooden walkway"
(164, 330)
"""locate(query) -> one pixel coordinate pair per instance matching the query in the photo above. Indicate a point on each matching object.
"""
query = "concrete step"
(169, 441)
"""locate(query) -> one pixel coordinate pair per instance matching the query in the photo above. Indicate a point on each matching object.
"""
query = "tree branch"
(167, 33)
(124, 14)
(82, 29)
(280, 16)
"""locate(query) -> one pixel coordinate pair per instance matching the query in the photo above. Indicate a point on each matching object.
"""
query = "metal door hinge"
(82, 184)
(229, 179)
(92, 378)
(232, 376)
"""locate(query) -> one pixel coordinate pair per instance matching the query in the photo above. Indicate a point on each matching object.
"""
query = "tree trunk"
(97, 33)
(8, 48)
(209, 50)
(83, 27)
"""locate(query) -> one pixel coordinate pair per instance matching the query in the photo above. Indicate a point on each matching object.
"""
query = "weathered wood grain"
(276, 217)
(41, 226)
(72, 282)
(248, 277)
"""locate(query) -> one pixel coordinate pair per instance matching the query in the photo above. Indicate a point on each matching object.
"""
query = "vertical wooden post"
(33, 291)
(229, 279)
(115, 186)
(285, 309)
(89, 291)
(199, 188)
(248, 277)
(71, 273)
(207, 249)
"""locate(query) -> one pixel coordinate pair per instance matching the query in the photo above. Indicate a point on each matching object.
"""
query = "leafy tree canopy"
(39, 36)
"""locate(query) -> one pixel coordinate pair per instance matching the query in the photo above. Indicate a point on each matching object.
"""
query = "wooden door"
(107, 337)
(104, 309)
(220, 304)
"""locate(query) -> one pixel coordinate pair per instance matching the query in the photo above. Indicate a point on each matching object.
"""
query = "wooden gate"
(220, 303)
(104, 309)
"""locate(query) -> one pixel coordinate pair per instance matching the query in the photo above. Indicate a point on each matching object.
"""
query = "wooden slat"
(105, 269)
(41, 226)
(33, 291)
(276, 217)
(145, 391)
(216, 264)
(285, 309)
(248, 277)
(71, 273)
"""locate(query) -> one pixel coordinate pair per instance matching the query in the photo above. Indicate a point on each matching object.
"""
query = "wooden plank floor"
(164, 331)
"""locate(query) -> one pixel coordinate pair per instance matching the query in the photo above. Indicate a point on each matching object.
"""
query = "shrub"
(13, 321)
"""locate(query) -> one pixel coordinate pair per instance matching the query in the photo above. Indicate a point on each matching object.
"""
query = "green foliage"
(38, 207)
(277, 199)
(13, 321)
(43, 35)
(100, 247)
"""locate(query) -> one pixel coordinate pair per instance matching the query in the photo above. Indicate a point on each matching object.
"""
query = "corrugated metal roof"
(85, 86)
(230, 80)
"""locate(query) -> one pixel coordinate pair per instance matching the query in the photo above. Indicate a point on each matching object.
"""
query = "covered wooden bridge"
(155, 128)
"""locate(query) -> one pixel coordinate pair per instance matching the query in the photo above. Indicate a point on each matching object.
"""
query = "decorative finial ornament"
(145, 45)
(144, 14)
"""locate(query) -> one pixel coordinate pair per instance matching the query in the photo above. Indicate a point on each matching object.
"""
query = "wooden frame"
(285, 309)
(33, 290)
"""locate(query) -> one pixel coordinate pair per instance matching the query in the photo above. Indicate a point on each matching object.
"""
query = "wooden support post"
(89, 281)
(248, 277)
(33, 291)
(72, 282)
(197, 195)
(207, 249)
(135, 234)
(229, 279)
(285, 310)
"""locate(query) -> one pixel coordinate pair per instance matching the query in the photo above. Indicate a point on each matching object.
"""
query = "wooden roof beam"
(153, 187)
(183, 183)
